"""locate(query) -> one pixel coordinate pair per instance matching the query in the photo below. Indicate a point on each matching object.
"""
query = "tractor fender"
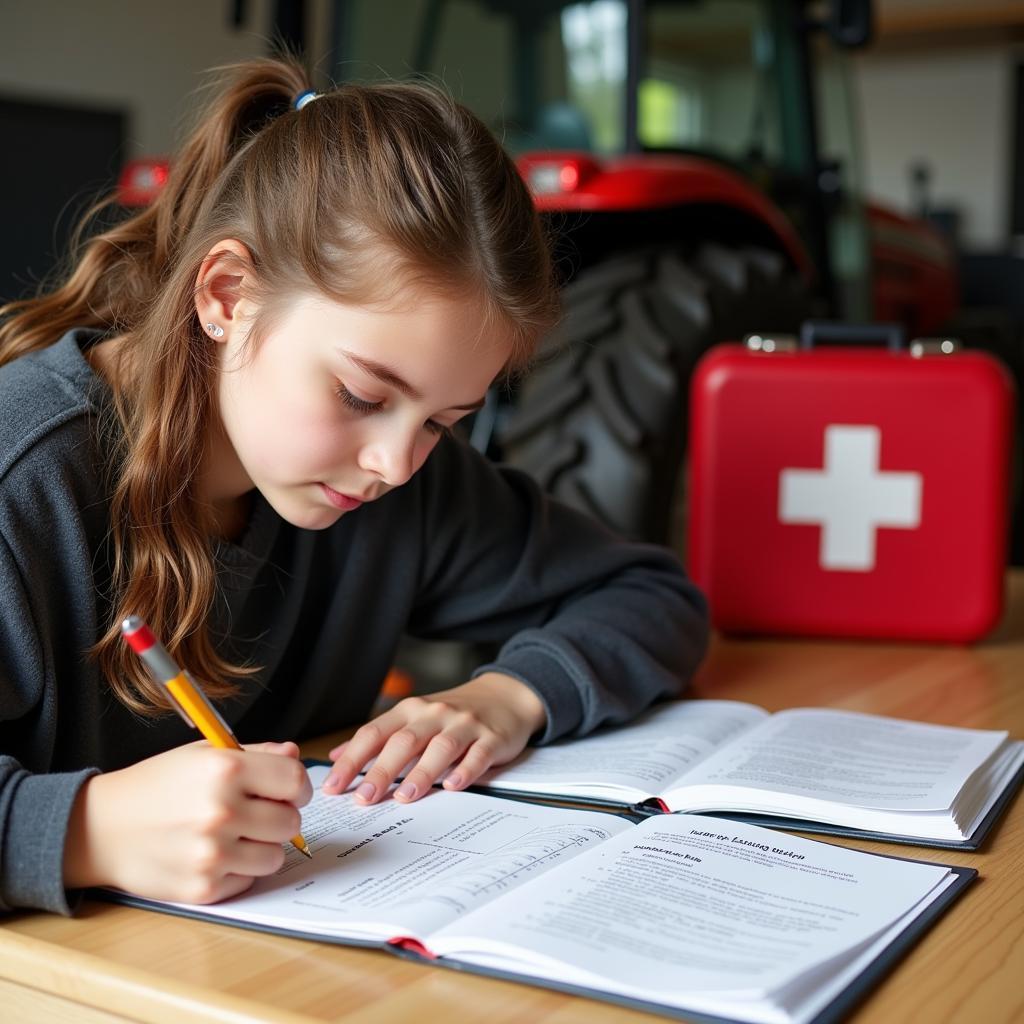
(915, 277)
(580, 182)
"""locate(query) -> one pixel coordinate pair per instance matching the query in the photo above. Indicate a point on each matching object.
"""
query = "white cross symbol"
(850, 499)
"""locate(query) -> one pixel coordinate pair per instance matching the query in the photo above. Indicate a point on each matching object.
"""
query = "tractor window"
(594, 38)
(708, 80)
(543, 74)
(552, 74)
(423, 38)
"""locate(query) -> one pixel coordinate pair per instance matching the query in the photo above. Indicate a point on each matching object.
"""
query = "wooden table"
(114, 964)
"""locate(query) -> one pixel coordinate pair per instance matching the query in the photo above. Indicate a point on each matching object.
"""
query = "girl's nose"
(391, 457)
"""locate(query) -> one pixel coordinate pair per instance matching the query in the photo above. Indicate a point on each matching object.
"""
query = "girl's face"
(339, 404)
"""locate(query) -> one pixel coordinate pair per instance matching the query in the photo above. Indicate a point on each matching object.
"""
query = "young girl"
(234, 419)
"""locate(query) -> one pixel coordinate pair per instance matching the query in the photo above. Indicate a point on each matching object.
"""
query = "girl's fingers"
(402, 747)
(268, 821)
(352, 757)
(441, 753)
(273, 777)
(254, 859)
(480, 756)
(425, 737)
(367, 742)
(288, 749)
(227, 871)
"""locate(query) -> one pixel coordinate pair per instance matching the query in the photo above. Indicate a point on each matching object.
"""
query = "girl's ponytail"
(259, 91)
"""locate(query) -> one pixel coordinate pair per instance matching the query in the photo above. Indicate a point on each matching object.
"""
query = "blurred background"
(712, 168)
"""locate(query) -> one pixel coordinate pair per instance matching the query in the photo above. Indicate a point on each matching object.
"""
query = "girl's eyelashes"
(354, 402)
(361, 405)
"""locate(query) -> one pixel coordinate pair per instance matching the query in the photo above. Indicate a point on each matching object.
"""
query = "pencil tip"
(306, 853)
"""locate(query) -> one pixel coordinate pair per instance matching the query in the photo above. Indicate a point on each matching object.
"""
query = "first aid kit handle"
(839, 332)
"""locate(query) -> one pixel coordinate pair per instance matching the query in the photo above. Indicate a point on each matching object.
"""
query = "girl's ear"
(225, 269)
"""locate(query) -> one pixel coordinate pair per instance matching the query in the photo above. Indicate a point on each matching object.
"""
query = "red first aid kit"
(850, 491)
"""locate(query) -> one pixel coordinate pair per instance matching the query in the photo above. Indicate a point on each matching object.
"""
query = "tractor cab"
(642, 121)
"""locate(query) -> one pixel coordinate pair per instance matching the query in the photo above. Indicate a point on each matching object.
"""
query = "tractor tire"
(601, 420)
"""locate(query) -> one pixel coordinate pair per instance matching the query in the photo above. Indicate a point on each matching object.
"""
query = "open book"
(815, 770)
(681, 914)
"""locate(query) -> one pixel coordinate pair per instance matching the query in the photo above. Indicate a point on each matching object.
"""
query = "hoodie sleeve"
(597, 626)
(34, 808)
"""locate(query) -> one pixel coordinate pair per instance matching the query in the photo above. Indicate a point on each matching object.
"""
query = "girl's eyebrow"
(388, 376)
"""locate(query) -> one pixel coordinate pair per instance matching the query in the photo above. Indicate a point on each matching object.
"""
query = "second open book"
(813, 769)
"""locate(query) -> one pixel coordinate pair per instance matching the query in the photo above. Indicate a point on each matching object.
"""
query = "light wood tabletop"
(112, 964)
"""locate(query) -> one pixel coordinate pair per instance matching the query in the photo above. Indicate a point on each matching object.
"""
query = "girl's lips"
(339, 500)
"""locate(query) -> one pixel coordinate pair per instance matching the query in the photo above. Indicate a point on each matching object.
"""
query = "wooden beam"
(985, 16)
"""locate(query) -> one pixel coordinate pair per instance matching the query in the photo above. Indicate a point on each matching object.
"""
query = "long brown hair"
(393, 176)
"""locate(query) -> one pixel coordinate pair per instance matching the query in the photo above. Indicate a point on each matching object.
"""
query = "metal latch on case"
(771, 342)
(934, 347)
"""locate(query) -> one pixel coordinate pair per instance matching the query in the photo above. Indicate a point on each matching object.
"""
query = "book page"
(632, 762)
(691, 911)
(847, 758)
(393, 869)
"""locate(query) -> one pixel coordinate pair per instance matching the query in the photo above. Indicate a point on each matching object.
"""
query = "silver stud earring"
(216, 330)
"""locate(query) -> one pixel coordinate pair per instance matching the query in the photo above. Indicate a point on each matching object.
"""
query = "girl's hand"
(195, 824)
(482, 723)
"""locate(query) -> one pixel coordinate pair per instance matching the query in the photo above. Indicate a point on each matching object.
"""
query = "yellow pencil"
(190, 702)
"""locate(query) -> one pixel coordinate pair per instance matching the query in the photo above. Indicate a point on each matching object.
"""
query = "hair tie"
(306, 97)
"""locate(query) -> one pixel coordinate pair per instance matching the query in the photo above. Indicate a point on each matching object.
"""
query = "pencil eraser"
(137, 635)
